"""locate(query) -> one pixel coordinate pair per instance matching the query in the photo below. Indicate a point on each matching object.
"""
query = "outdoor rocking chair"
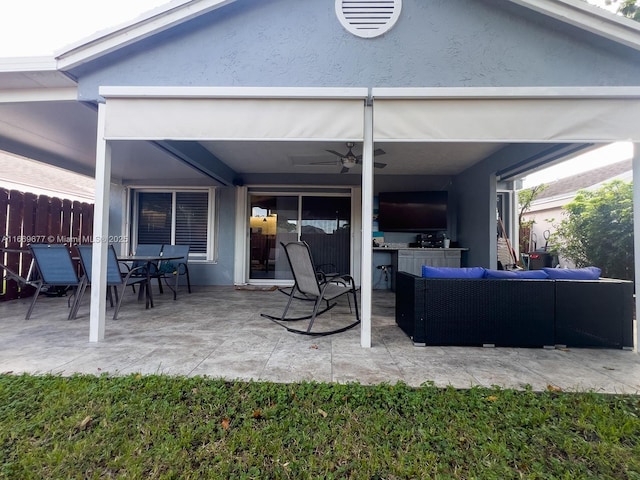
(310, 286)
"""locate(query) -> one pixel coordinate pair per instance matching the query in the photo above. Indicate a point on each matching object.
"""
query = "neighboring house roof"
(590, 178)
(18, 173)
(574, 12)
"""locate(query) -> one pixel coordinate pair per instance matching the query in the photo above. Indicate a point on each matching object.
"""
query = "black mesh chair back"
(304, 272)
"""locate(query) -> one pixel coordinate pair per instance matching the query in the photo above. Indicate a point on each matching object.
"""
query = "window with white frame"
(177, 217)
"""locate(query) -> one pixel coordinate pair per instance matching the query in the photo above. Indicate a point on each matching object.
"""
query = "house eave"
(144, 26)
(590, 18)
(28, 64)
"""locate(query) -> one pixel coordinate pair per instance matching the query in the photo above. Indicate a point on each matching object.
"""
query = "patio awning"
(234, 114)
(606, 114)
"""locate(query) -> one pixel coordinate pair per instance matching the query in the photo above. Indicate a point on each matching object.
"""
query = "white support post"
(636, 233)
(242, 236)
(100, 233)
(367, 228)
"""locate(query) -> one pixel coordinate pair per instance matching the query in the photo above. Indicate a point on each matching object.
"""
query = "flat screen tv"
(412, 211)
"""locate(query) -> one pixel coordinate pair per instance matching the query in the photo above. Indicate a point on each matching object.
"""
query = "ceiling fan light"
(348, 162)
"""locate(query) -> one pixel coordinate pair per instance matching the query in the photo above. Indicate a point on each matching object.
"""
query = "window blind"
(154, 217)
(191, 220)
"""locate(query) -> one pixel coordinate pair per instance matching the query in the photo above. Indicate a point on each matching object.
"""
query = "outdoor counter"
(411, 259)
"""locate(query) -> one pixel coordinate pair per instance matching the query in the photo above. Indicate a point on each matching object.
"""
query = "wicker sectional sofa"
(515, 312)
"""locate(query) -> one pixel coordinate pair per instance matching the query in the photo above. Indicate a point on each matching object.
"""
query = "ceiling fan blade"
(376, 152)
(379, 164)
(335, 153)
(332, 162)
(344, 170)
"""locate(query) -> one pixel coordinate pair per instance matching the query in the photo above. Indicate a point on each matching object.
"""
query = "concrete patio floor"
(218, 332)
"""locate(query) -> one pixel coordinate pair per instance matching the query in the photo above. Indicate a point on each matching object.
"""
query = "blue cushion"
(452, 272)
(586, 273)
(530, 274)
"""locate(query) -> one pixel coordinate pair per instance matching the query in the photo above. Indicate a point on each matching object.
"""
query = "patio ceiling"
(64, 134)
(409, 158)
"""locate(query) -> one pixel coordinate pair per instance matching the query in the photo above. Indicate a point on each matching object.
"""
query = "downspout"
(636, 232)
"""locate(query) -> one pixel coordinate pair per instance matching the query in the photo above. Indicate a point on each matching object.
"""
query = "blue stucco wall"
(460, 43)
(221, 272)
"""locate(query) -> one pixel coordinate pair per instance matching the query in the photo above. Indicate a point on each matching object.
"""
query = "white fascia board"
(146, 25)
(504, 92)
(39, 95)
(235, 92)
(552, 202)
(28, 64)
(590, 18)
(67, 194)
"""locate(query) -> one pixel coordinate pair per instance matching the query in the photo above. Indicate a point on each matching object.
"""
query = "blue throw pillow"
(586, 273)
(452, 272)
(526, 274)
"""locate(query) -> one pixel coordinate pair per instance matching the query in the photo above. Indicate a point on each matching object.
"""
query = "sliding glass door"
(273, 220)
(322, 221)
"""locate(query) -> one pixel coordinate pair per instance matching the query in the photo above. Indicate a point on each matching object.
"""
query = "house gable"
(475, 43)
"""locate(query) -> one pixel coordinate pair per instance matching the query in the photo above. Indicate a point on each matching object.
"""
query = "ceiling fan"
(349, 160)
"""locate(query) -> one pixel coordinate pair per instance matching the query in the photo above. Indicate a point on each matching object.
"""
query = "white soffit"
(507, 115)
(26, 79)
(38, 95)
(234, 114)
(28, 64)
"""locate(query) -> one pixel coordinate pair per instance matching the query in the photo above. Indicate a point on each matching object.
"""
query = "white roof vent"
(368, 18)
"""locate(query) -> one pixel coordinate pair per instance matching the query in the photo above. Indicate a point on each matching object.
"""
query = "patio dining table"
(149, 260)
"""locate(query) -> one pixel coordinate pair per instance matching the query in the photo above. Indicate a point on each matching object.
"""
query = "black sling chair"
(309, 286)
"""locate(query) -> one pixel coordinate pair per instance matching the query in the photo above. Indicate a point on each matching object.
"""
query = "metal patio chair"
(115, 278)
(309, 286)
(174, 269)
(146, 249)
(54, 269)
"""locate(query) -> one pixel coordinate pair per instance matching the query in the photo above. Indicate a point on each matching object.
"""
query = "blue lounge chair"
(54, 269)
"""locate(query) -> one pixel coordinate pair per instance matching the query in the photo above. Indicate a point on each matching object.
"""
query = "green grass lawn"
(191, 428)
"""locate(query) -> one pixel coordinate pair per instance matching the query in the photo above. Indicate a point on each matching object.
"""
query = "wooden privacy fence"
(29, 218)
